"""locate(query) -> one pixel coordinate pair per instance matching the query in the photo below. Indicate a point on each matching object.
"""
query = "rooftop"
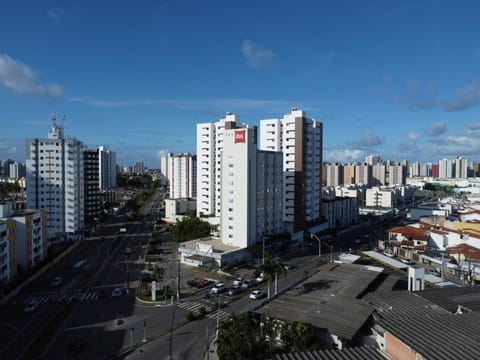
(327, 300)
(426, 322)
(354, 353)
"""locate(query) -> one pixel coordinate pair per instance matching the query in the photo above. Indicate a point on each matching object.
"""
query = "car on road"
(238, 281)
(234, 291)
(218, 288)
(127, 251)
(247, 283)
(261, 278)
(56, 281)
(30, 307)
(407, 261)
(288, 266)
(117, 292)
(257, 294)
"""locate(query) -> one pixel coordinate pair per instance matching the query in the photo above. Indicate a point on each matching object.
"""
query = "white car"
(218, 288)
(117, 292)
(127, 251)
(257, 294)
(237, 282)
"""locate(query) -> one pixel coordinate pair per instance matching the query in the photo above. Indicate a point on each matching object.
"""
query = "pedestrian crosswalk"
(195, 306)
(63, 297)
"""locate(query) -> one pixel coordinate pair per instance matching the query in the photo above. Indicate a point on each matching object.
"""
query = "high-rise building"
(251, 189)
(16, 171)
(378, 174)
(165, 168)
(300, 140)
(461, 167)
(334, 174)
(54, 180)
(183, 176)
(363, 174)
(209, 155)
(107, 168)
(446, 170)
(372, 159)
(435, 170)
(93, 205)
(348, 174)
(139, 168)
(397, 175)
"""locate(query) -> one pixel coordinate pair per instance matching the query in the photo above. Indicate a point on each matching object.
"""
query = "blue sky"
(396, 78)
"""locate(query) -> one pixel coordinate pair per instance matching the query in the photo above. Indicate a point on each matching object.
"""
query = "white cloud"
(368, 139)
(20, 78)
(55, 13)
(437, 128)
(258, 57)
(343, 155)
(222, 104)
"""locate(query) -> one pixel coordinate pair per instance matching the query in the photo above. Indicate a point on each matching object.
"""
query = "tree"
(271, 268)
(239, 339)
(189, 228)
(299, 336)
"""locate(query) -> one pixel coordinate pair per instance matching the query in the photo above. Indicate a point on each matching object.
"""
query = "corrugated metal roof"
(356, 353)
(426, 322)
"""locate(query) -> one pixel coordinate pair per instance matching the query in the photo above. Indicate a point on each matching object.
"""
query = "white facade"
(175, 209)
(251, 190)
(300, 141)
(461, 167)
(55, 181)
(209, 152)
(165, 168)
(183, 176)
(7, 251)
(379, 198)
(107, 164)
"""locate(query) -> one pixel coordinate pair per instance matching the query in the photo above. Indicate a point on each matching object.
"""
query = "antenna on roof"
(53, 117)
(63, 119)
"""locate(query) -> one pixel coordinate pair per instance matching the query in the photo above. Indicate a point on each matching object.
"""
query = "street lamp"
(313, 236)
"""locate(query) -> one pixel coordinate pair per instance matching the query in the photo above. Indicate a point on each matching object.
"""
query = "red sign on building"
(239, 136)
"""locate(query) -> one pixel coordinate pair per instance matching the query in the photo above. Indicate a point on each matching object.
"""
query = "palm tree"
(238, 338)
(271, 268)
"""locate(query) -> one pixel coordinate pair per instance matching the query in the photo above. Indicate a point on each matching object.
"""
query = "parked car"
(257, 294)
(234, 290)
(260, 278)
(30, 307)
(289, 266)
(238, 281)
(117, 292)
(407, 261)
(248, 283)
(218, 288)
(57, 281)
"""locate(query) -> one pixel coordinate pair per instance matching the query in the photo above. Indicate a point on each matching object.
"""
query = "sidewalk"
(212, 353)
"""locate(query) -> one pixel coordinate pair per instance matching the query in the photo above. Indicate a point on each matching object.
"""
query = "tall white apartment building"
(209, 155)
(397, 175)
(107, 167)
(363, 174)
(55, 180)
(461, 167)
(16, 170)
(334, 174)
(445, 169)
(251, 189)
(378, 174)
(300, 140)
(182, 172)
(165, 168)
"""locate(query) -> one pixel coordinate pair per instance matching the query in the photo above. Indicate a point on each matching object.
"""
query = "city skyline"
(399, 81)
